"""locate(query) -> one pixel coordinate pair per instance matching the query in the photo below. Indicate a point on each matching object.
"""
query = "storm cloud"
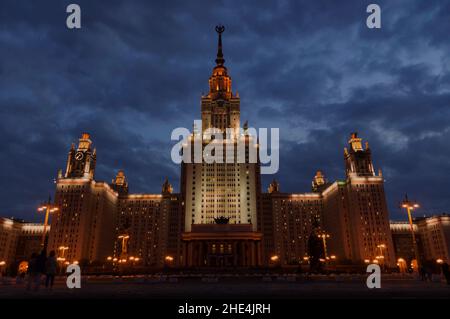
(137, 69)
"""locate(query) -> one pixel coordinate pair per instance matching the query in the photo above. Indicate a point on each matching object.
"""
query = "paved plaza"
(237, 287)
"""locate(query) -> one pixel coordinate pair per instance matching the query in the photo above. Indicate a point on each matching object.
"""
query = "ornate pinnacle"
(220, 60)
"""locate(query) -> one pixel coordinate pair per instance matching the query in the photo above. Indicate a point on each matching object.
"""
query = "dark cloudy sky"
(137, 69)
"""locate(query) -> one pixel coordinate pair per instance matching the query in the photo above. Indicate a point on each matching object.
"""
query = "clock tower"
(81, 161)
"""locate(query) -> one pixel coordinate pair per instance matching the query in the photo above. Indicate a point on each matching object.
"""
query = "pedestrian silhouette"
(446, 272)
(50, 270)
(32, 272)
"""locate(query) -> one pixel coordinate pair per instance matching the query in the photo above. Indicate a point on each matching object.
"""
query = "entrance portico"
(222, 245)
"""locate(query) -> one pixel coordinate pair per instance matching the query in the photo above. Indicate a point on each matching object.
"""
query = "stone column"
(245, 253)
(184, 252)
(200, 254)
(252, 253)
(258, 253)
(189, 254)
(235, 256)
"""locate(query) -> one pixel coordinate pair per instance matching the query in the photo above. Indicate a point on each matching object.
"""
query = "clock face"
(79, 156)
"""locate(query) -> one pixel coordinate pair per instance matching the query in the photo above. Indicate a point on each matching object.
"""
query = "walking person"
(40, 268)
(50, 270)
(429, 272)
(423, 273)
(446, 272)
(32, 271)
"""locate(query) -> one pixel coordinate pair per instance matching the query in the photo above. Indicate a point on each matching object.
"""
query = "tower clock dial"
(79, 156)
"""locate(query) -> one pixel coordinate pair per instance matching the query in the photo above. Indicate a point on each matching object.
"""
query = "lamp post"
(168, 260)
(324, 237)
(306, 259)
(61, 257)
(61, 261)
(113, 261)
(48, 208)
(381, 256)
(135, 260)
(124, 238)
(62, 249)
(410, 206)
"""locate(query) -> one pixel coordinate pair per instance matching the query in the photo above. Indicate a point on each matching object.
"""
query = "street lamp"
(124, 238)
(381, 256)
(111, 260)
(381, 247)
(48, 208)
(324, 237)
(62, 249)
(168, 259)
(409, 206)
(61, 259)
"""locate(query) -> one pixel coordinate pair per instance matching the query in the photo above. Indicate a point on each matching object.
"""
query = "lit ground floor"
(222, 246)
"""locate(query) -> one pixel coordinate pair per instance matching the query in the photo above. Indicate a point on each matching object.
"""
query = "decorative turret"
(120, 184)
(274, 187)
(358, 160)
(81, 163)
(319, 182)
(167, 187)
(355, 142)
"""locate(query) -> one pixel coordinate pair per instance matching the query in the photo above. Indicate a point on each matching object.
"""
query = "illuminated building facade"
(286, 222)
(352, 212)
(221, 196)
(86, 219)
(153, 223)
(355, 210)
(93, 215)
(19, 239)
(432, 236)
(220, 217)
(435, 236)
(403, 244)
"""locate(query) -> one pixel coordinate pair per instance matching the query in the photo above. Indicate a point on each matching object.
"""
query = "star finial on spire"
(220, 60)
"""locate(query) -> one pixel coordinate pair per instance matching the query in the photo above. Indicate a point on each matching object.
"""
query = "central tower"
(220, 107)
(228, 188)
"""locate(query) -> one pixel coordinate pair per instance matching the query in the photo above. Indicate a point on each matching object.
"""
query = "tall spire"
(220, 82)
(220, 60)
